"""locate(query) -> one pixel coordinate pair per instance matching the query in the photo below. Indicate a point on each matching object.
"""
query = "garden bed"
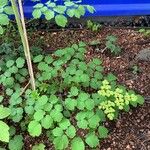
(131, 130)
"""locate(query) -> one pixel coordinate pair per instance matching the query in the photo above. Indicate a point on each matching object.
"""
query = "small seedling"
(145, 32)
(111, 44)
(93, 26)
(135, 69)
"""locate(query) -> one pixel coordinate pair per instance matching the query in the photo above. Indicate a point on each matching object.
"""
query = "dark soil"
(132, 130)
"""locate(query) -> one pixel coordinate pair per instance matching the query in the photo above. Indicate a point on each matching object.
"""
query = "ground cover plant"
(72, 97)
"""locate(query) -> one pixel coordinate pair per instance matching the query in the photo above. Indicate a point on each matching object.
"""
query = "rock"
(144, 55)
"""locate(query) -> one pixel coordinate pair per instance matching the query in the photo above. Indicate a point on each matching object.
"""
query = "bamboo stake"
(23, 35)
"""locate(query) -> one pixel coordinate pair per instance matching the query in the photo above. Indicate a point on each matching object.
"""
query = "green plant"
(66, 101)
(117, 98)
(4, 128)
(135, 69)
(146, 32)
(51, 10)
(5, 11)
(40, 146)
(93, 26)
(111, 44)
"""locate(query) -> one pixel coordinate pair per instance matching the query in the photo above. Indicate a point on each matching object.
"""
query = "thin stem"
(27, 43)
(24, 42)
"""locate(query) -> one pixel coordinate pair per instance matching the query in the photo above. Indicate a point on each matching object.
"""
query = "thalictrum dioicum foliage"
(73, 95)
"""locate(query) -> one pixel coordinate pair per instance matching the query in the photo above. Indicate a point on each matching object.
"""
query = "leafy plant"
(51, 10)
(66, 101)
(93, 26)
(4, 128)
(146, 32)
(135, 69)
(111, 44)
(116, 98)
(5, 11)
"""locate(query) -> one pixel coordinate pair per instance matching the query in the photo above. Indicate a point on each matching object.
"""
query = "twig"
(24, 88)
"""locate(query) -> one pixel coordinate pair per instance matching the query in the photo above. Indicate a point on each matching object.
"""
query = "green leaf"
(40, 146)
(38, 58)
(49, 14)
(81, 10)
(4, 112)
(97, 61)
(103, 132)
(3, 3)
(74, 91)
(56, 115)
(1, 30)
(1, 98)
(60, 9)
(61, 143)
(77, 144)
(38, 115)
(16, 143)
(83, 124)
(64, 124)
(9, 63)
(42, 100)
(48, 59)
(90, 9)
(47, 122)
(4, 132)
(71, 131)
(92, 140)
(94, 121)
(34, 128)
(20, 62)
(140, 99)
(70, 103)
(37, 13)
(39, 5)
(89, 104)
(4, 20)
(61, 20)
(70, 12)
(8, 10)
(57, 131)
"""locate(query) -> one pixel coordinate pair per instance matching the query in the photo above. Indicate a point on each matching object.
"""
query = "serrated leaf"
(94, 121)
(34, 128)
(57, 131)
(40, 146)
(71, 131)
(83, 124)
(49, 14)
(90, 9)
(47, 122)
(89, 104)
(4, 20)
(92, 140)
(64, 124)
(36, 13)
(39, 115)
(61, 20)
(20, 62)
(8, 10)
(70, 103)
(9, 63)
(61, 143)
(38, 58)
(77, 144)
(16, 143)
(103, 132)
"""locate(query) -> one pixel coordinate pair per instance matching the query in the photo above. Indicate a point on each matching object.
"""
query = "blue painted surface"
(106, 7)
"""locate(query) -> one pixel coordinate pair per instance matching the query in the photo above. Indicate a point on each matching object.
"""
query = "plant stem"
(23, 35)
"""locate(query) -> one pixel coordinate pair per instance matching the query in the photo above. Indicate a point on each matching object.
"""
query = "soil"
(132, 130)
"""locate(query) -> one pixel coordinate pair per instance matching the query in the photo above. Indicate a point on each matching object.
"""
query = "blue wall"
(107, 7)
